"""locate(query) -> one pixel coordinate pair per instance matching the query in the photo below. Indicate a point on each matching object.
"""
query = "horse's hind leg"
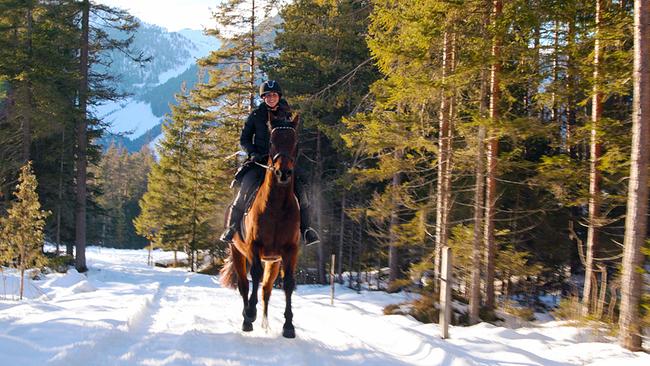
(250, 312)
(289, 283)
(271, 270)
(239, 262)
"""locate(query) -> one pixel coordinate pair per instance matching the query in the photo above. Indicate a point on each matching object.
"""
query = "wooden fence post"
(445, 292)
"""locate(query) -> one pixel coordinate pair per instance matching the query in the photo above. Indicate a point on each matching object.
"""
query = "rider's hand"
(257, 157)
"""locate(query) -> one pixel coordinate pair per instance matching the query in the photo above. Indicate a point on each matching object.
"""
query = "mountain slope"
(155, 84)
(152, 86)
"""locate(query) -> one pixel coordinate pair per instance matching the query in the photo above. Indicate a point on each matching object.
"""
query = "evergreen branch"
(343, 78)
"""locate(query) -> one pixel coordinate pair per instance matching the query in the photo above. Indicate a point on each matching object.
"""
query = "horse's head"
(283, 149)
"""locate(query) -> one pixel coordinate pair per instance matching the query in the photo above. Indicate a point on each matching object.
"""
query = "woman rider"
(254, 140)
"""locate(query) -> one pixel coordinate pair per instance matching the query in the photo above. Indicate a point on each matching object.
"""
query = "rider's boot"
(309, 234)
(234, 220)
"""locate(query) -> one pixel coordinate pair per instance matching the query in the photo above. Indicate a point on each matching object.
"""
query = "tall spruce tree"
(92, 89)
(122, 180)
(230, 92)
(177, 209)
(637, 205)
(324, 67)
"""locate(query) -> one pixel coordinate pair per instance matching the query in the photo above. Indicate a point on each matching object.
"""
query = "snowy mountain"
(151, 86)
(123, 312)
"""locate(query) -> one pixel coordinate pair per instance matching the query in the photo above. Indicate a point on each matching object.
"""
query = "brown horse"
(272, 233)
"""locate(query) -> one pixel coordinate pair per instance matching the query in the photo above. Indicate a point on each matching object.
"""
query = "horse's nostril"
(289, 172)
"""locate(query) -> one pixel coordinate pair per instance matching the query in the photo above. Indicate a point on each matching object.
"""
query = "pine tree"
(21, 232)
(177, 209)
(323, 65)
(94, 87)
(230, 93)
(637, 206)
(122, 179)
(492, 154)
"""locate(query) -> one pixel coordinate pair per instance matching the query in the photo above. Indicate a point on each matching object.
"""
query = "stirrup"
(315, 241)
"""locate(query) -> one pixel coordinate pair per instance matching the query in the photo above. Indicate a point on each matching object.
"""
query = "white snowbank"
(124, 313)
(10, 286)
(69, 279)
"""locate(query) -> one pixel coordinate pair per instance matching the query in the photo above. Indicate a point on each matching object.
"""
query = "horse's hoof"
(250, 317)
(288, 332)
(247, 326)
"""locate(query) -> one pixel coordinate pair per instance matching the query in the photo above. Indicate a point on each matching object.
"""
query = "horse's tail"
(228, 273)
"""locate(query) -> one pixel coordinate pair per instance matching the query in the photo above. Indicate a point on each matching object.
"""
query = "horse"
(272, 226)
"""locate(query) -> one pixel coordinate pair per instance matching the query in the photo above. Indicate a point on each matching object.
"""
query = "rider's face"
(271, 99)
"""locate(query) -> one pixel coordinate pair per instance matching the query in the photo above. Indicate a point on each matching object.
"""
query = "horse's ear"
(295, 121)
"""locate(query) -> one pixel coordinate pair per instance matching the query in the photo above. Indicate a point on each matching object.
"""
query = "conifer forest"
(515, 132)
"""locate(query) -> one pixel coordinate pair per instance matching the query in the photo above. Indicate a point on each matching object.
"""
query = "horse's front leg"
(239, 262)
(250, 312)
(289, 283)
(271, 270)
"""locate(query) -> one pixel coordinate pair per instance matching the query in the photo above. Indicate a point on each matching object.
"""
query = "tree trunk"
(555, 115)
(350, 255)
(27, 108)
(448, 146)
(393, 251)
(637, 203)
(594, 173)
(252, 61)
(571, 85)
(59, 202)
(318, 209)
(82, 144)
(602, 292)
(22, 279)
(479, 204)
(341, 234)
(492, 152)
(443, 141)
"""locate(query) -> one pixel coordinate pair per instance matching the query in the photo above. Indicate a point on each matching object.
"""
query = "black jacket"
(255, 135)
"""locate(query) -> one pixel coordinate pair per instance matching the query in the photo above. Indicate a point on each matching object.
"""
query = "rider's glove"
(256, 157)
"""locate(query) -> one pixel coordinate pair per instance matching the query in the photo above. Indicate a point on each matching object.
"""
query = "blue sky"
(171, 14)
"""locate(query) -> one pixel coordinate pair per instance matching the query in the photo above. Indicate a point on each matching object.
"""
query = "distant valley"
(136, 120)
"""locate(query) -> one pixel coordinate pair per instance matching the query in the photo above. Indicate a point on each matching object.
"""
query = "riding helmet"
(270, 86)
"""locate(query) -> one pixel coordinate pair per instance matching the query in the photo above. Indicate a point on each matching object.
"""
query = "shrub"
(58, 263)
(425, 309)
(568, 309)
(398, 285)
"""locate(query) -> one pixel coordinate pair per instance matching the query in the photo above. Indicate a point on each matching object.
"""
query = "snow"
(204, 44)
(179, 69)
(123, 312)
(201, 46)
(128, 116)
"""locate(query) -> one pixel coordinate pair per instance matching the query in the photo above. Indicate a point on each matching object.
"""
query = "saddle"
(249, 203)
(241, 171)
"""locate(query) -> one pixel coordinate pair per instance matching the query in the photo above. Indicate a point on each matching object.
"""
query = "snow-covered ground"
(125, 313)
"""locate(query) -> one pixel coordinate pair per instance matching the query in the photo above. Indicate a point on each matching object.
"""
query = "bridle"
(280, 154)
